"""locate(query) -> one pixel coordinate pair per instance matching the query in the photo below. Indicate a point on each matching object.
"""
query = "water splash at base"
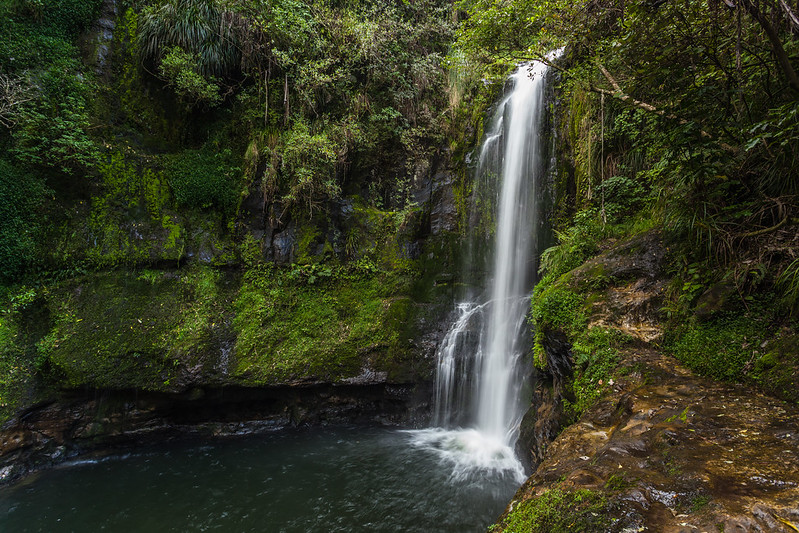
(471, 454)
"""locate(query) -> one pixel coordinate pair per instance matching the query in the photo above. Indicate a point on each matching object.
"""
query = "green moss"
(292, 326)
(140, 105)
(21, 321)
(384, 235)
(777, 371)
(120, 330)
(557, 511)
(156, 329)
(127, 215)
(745, 345)
(250, 251)
(555, 306)
(205, 178)
(594, 277)
(618, 483)
(720, 348)
(175, 244)
(581, 139)
(308, 236)
(21, 196)
(16, 370)
(699, 502)
(596, 361)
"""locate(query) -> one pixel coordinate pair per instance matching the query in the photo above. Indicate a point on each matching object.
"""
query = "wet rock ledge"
(671, 452)
(103, 422)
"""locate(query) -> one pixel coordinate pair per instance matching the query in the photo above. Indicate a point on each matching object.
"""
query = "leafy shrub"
(596, 357)
(623, 196)
(25, 45)
(181, 70)
(20, 195)
(203, 178)
(576, 244)
(309, 163)
(557, 307)
(49, 127)
(788, 285)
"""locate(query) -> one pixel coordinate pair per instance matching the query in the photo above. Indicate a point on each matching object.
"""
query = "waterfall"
(481, 363)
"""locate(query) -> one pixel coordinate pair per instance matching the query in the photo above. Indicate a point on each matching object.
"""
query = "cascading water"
(480, 362)
(459, 475)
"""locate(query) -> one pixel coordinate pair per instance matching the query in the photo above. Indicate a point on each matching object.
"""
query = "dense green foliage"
(319, 322)
(298, 103)
(203, 178)
(56, 17)
(17, 353)
(45, 93)
(21, 194)
(689, 109)
(182, 71)
(747, 345)
(194, 27)
(151, 174)
(561, 305)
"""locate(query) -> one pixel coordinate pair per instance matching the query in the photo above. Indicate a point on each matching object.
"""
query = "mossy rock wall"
(169, 330)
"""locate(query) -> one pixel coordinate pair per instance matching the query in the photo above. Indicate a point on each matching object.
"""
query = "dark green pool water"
(319, 480)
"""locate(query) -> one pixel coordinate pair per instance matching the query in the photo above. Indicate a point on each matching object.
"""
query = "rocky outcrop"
(672, 452)
(663, 449)
(545, 418)
(628, 281)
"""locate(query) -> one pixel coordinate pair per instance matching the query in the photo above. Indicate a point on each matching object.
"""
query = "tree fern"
(197, 27)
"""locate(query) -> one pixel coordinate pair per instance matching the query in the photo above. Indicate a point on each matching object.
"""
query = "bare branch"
(793, 20)
(624, 97)
(13, 93)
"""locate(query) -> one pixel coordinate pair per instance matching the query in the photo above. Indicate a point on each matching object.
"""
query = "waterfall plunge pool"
(323, 479)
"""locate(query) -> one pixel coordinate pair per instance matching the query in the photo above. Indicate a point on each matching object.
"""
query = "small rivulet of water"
(481, 368)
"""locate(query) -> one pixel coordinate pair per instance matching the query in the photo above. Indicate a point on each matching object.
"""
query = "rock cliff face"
(137, 354)
(128, 356)
(663, 449)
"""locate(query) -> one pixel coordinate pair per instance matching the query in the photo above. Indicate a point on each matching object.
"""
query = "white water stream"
(480, 362)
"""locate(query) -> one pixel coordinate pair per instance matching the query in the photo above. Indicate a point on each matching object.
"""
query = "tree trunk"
(776, 44)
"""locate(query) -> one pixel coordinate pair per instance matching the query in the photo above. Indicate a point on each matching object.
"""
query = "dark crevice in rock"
(545, 417)
(108, 420)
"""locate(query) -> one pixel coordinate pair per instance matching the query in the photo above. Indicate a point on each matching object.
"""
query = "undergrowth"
(557, 511)
(748, 345)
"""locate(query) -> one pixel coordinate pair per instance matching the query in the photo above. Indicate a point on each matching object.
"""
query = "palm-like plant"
(196, 26)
